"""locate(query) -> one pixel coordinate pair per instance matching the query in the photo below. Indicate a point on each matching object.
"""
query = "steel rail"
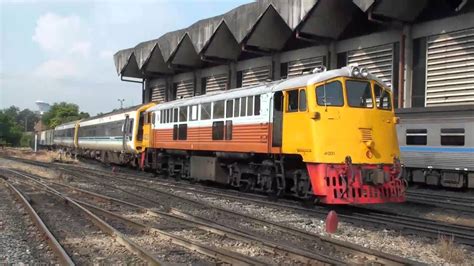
(210, 226)
(220, 254)
(462, 234)
(53, 243)
(340, 245)
(404, 222)
(101, 224)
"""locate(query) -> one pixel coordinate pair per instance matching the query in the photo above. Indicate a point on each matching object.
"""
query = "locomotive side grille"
(366, 134)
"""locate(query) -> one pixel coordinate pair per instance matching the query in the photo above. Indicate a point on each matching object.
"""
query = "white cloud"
(57, 34)
(106, 54)
(58, 69)
(81, 48)
(64, 39)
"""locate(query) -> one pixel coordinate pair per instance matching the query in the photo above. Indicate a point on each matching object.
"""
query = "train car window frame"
(205, 111)
(452, 136)
(193, 110)
(243, 106)
(302, 102)
(349, 94)
(175, 115)
(257, 105)
(250, 105)
(377, 89)
(237, 107)
(229, 108)
(218, 109)
(292, 101)
(416, 136)
(183, 114)
(327, 86)
(218, 130)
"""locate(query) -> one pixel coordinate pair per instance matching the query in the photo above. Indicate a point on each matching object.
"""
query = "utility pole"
(121, 102)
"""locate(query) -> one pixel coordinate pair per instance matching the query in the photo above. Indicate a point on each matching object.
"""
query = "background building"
(423, 50)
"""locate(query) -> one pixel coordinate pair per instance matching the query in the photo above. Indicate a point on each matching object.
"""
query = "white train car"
(64, 135)
(113, 137)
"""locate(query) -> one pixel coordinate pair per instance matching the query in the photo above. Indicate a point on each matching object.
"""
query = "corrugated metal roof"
(242, 21)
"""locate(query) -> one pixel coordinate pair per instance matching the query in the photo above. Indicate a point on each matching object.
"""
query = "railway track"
(410, 224)
(188, 229)
(322, 249)
(81, 236)
(459, 203)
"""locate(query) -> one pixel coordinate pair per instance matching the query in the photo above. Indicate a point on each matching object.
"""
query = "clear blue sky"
(61, 50)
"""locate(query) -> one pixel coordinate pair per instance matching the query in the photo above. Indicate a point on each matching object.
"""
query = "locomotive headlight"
(355, 72)
(364, 72)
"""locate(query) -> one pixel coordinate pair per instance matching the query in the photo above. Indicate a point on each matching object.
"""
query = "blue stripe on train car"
(436, 149)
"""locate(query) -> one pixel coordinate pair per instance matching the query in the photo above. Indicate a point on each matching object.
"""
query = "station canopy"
(262, 27)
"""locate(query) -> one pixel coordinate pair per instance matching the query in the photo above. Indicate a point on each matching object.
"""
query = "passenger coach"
(329, 135)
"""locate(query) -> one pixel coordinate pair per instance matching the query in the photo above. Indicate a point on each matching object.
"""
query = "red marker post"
(331, 222)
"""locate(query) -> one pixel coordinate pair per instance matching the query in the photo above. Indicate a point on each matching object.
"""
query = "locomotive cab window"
(330, 94)
(292, 102)
(452, 136)
(382, 98)
(416, 136)
(302, 100)
(359, 94)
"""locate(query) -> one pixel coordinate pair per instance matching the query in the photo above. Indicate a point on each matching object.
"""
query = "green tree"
(61, 113)
(27, 119)
(10, 132)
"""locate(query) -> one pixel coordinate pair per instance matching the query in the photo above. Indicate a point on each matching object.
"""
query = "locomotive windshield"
(330, 94)
(359, 94)
(382, 97)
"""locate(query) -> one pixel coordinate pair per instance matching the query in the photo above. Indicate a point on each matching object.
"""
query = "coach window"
(170, 115)
(292, 104)
(452, 136)
(243, 106)
(183, 114)
(205, 111)
(229, 108)
(250, 105)
(218, 111)
(382, 98)
(330, 94)
(193, 110)
(175, 115)
(302, 100)
(257, 105)
(237, 107)
(416, 136)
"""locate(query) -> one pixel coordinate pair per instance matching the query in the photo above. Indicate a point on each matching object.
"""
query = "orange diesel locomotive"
(328, 136)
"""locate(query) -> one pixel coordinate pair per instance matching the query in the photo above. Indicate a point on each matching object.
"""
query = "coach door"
(277, 119)
(126, 129)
